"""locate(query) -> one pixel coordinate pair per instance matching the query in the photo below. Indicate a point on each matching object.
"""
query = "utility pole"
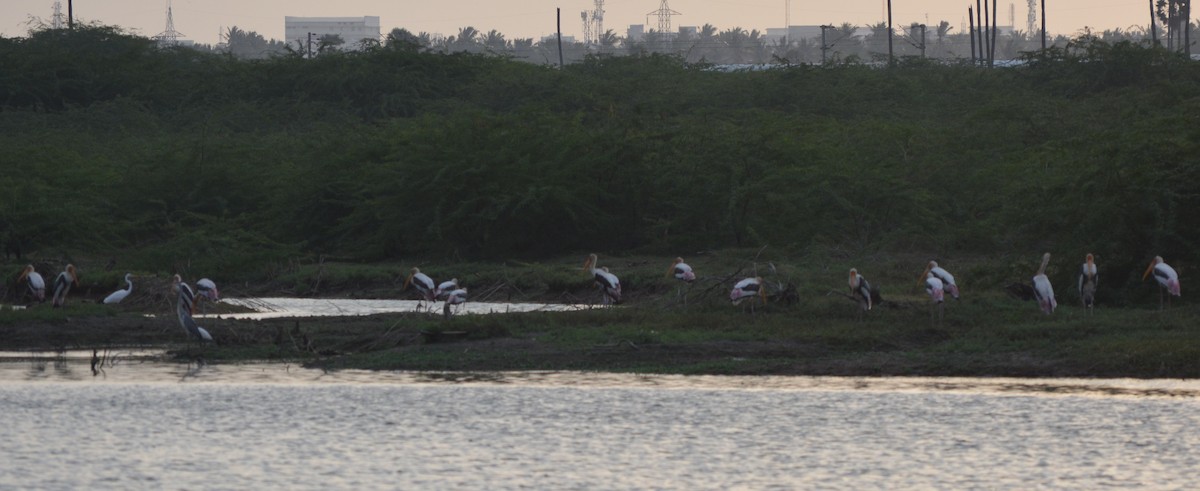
(70, 14)
(995, 25)
(979, 28)
(922, 27)
(986, 32)
(891, 56)
(309, 45)
(558, 15)
(1153, 27)
(971, 19)
(1043, 25)
(824, 46)
(1187, 28)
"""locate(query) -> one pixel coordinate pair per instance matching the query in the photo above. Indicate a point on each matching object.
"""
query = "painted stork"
(206, 288)
(1042, 288)
(1088, 278)
(62, 284)
(607, 282)
(749, 288)
(937, 294)
(1167, 278)
(445, 288)
(682, 272)
(860, 289)
(947, 279)
(119, 295)
(37, 285)
(457, 296)
(185, 309)
(422, 283)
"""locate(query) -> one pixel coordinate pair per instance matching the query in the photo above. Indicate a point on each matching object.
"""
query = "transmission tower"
(170, 36)
(598, 16)
(1031, 17)
(593, 23)
(664, 14)
(58, 20)
(587, 27)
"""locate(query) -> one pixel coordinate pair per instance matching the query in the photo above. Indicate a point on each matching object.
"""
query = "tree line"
(168, 157)
(709, 44)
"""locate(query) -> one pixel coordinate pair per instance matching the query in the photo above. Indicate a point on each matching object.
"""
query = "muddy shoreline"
(534, 341)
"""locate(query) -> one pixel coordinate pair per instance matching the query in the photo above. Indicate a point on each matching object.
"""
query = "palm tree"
(757, 46)
(735, 41)
(402, 39)
(522, 48)
(467, 40)
(704, 47)
(494, 41)
(246, 44)
(1173, 14)
(608, 42)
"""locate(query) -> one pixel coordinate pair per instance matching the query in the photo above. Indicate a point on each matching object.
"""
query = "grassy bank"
(987, 333)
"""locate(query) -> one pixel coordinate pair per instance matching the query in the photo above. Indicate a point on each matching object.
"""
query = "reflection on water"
(140, 365)
(265, 308)
(145, 423)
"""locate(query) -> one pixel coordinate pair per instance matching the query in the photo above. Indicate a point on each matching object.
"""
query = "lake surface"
(140, 423)
(272, 307)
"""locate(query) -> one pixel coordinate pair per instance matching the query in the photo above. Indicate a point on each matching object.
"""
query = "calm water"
(141, 423)
(265, 308)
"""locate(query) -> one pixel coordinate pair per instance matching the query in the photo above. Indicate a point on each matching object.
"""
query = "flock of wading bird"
(936, 280)
(185, 308)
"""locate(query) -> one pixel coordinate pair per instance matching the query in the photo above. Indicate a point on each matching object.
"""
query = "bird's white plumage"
(445, 288)
(456, 296)
(747, 288)
(946, 278)
(607, 282)
(935, 288)
(208, 289)
(34, 281)
(62, 284)
(422, 282)
(682, 271)
(119, 295)
(1088, 278)
(1043, 289)
(184, 310)
(860, 288)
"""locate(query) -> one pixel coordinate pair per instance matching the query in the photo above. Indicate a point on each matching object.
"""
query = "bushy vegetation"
(169, 159)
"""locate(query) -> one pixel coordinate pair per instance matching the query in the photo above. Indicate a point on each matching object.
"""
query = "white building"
(352, 30)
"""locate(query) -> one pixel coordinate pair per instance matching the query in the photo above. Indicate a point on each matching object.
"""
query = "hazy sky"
(201, 20)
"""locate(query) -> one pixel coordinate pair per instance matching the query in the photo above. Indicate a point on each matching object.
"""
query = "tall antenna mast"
(787, 21)
(593, 23)
(169, 37)
(598, 16)
(587, 27)
(58, 20)
(1031, 18)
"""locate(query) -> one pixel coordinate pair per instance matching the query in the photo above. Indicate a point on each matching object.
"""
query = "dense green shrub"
(112, 146)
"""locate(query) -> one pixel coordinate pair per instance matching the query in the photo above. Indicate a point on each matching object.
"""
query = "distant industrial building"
(553, 38)
(792, 33)
(352, 30)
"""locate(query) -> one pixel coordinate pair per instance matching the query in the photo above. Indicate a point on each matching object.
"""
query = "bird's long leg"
(1160, 298)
